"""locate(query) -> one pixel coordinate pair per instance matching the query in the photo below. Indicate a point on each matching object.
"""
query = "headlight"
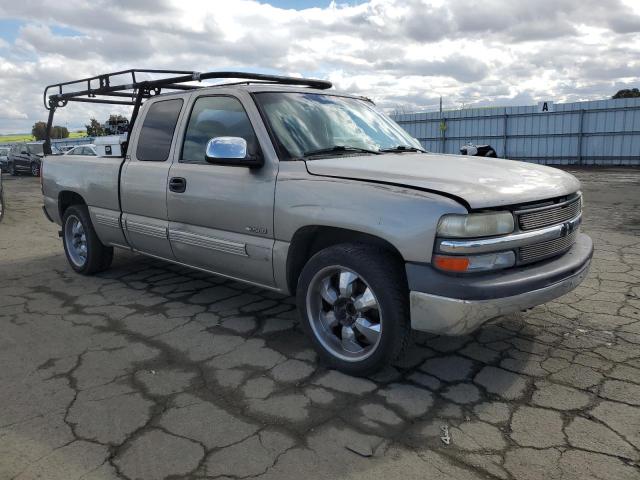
(475, 224)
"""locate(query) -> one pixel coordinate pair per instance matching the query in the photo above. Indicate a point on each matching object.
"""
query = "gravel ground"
(154, 371)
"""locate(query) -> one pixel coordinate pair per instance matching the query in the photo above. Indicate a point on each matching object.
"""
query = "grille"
(550, 216)
(542, 250)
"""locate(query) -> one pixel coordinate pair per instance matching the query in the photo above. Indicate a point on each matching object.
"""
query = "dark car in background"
(25, 158)
(1, 200)
(4, 157)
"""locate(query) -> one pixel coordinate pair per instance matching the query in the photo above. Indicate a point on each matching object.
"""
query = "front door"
(144, 179)
(221, 218)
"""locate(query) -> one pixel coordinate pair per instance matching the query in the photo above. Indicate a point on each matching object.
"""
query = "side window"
(157, 130)
(215, 117)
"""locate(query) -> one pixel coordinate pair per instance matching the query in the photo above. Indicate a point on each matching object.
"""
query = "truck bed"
(95, 179)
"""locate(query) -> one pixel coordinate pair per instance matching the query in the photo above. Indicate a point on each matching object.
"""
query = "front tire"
(84, 250)
(35, 169)
(353, 299)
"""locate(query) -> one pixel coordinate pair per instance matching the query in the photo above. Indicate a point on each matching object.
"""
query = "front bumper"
(450, 305)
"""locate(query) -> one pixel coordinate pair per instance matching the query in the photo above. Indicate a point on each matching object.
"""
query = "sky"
(404, 54)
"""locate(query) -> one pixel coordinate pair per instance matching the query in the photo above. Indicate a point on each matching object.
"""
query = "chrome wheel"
(344, 313)
(75, 240)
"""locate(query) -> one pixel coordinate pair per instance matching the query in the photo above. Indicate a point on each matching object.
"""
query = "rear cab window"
(158, 128)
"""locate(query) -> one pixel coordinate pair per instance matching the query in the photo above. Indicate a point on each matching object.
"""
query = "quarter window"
(216, 117)
(157, 130)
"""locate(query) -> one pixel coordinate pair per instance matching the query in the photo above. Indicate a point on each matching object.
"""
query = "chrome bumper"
(452, 316)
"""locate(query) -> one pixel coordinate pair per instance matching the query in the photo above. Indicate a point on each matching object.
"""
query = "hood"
(480, 181)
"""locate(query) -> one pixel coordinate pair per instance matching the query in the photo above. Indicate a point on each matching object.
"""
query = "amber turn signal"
(451, 264)
(474, 263)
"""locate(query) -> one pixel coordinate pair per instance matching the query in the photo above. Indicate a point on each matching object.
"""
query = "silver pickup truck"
(316, 193)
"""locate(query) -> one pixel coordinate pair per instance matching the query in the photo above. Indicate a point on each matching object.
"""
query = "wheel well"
(309, 240)
(66, 199)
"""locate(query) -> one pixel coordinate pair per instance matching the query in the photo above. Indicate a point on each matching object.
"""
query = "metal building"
(602, 132)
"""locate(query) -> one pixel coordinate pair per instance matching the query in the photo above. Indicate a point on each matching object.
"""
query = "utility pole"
(443, 127)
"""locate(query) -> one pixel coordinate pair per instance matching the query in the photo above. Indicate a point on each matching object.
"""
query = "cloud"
(404, 54)
(462, 68)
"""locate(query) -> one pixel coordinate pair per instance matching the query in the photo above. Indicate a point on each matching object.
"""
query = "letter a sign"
(545, 107)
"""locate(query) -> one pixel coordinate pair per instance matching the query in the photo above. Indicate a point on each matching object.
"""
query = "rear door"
(144, 177)
(22, 158)
(13, 154)
(222, 220)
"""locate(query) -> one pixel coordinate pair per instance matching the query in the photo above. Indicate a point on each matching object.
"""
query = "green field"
(25, 137)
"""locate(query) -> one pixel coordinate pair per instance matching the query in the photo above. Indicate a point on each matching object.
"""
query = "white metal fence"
(602, 132)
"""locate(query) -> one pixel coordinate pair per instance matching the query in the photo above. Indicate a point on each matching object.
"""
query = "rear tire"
(353, 300)
(12, 170)
(85, 252)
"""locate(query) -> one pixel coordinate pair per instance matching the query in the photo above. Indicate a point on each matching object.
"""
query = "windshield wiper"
(338, 149)
(402, 148)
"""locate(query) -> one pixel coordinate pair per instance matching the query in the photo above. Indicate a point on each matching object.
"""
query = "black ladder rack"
(109, 89)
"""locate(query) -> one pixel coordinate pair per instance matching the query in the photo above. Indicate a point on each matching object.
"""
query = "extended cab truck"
(316, 193)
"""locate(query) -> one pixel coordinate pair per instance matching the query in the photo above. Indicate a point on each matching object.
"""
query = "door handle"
(177, 184)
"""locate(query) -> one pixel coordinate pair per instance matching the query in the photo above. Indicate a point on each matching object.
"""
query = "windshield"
(309, 123)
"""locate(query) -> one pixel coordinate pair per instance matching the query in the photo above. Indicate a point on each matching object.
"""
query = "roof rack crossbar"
(100, 100)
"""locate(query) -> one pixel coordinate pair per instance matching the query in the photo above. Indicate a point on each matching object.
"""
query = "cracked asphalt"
(153, 371)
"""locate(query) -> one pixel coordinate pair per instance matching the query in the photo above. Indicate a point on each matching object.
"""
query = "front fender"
(406, 218)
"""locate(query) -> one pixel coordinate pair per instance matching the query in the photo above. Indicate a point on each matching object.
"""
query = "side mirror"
(231, 151)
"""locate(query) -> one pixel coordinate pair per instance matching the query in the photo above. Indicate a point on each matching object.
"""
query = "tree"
(627, 93)
(59, 132)
(116, 124)
(114, 118)
(94, 129)
(39, 130)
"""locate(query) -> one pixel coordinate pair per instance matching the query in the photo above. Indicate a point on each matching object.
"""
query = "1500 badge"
(260, 230)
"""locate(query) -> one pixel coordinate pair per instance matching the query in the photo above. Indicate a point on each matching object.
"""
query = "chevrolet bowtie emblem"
(567, 228)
